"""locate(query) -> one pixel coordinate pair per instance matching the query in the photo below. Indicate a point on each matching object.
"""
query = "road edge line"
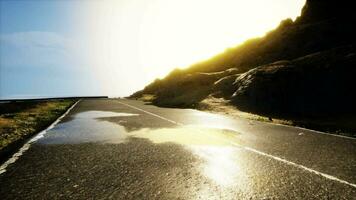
(36, 137)
(313, 131)
(330, 177)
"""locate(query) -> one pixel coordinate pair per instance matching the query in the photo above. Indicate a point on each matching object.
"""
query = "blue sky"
(116, 47)
(35, 52)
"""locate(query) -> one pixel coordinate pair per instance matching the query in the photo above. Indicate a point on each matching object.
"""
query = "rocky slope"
(302, 68)
(316, 84)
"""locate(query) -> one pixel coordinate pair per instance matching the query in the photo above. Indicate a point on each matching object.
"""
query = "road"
(124, 149)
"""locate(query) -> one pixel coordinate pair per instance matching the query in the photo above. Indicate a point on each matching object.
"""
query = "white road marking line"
(297, 165)
(330, 177)
(311, 131)
(174, 122)
(27, 145)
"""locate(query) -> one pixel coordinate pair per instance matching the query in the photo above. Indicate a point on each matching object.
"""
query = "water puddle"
(188, 135)
(101, 114)
(87, 127)
(213, 145)
(94, 126)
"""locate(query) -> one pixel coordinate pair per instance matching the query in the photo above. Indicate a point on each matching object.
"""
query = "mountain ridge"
(318, 48)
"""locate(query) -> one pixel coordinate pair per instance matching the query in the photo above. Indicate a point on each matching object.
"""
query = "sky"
(116, 47)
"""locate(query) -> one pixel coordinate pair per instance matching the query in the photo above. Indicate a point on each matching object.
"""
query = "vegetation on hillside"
(302, 69)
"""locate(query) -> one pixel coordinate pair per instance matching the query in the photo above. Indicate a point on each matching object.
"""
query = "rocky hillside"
(316, 84)
(303, 67)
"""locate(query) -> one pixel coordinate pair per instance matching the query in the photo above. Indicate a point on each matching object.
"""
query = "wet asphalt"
(125, 149)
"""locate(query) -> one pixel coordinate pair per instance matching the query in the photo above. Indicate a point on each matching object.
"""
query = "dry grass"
(222, 106)
(20, 120)
(341, 125)
(147, 98)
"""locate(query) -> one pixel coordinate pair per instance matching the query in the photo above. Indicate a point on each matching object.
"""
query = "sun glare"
(143, 40)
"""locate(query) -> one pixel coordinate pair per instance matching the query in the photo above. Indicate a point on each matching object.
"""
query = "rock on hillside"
(183, 90)
(303, 67)
(321, 10)
(316, 84)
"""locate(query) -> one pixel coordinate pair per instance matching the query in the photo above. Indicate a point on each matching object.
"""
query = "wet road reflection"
(121, 155)
(212, 145)
(219, 165)
(188, 135)
(86, 127)
(206, 141)
(212, 120)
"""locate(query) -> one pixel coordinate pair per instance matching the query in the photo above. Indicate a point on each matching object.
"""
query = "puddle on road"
(210, 144)
(101, 114)
(188, 135)
(87, 127)
(91, 126)
(223, 165)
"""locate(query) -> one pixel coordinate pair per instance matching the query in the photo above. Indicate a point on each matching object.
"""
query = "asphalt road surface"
(124, 149)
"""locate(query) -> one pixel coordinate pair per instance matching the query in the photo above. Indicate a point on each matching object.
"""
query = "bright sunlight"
(147, 39)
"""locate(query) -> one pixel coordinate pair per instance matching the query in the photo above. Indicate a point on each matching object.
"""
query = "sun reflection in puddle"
(188, 135)
(95, 114)
(212, 145)
(211, 120)
(220, 165)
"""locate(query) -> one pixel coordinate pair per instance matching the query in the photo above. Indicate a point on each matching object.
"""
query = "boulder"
(316, 84)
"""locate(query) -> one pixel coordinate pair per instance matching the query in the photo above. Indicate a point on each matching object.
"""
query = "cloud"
(44, 63)
(36, 48)
(36, 39)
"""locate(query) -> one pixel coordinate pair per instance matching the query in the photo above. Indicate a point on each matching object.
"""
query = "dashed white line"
(27, 145)
(330, 177)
